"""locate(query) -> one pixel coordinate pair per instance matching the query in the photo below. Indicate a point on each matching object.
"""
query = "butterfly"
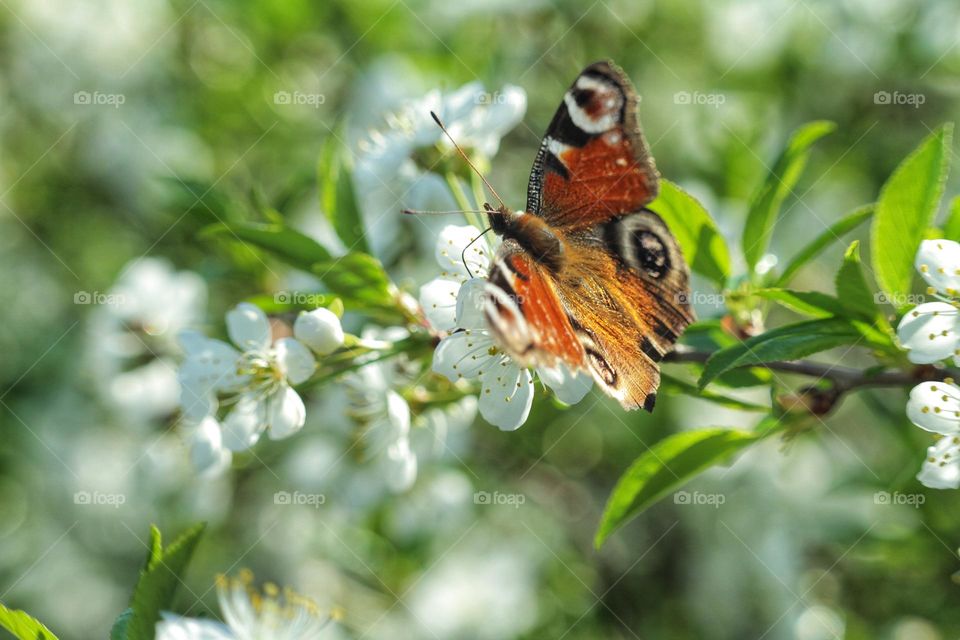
(587, 276)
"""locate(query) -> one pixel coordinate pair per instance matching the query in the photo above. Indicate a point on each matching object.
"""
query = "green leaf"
(810, 303)
(766, 202)
(842, 226)
(906, 207)
(290, 245)
(158, 581)
(852, 288)
(676, 386)
(359, 279)
(23, 626)
(789, 342)
(703, 247)
(664, 467)
(119, 631)
(951, 230)
(337, 196)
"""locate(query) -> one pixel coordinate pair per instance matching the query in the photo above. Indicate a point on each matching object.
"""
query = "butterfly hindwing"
(593, 163)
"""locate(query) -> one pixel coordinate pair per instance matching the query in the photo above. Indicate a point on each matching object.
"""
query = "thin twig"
(843, 378)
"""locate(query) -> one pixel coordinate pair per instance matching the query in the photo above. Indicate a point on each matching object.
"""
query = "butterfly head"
(531, 232)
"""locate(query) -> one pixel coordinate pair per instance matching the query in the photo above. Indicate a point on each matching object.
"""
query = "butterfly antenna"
(418, 212)
(467, 160)
(463, 254)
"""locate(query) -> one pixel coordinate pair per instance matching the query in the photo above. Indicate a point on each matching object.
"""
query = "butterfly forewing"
(593, 163)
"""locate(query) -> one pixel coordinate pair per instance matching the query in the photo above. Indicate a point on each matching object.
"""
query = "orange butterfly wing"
(618, 300)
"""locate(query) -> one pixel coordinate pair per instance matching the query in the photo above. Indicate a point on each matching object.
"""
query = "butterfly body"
(587, 276)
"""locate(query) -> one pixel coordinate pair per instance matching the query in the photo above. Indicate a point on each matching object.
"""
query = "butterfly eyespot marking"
(651, 254)
(602, 368)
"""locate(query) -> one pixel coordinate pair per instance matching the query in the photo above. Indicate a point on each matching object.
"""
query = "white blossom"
(935, 407)
(255, 376)
(469, 351)
(388, 176)
(250, 615)
(930, 331)
(320, 330)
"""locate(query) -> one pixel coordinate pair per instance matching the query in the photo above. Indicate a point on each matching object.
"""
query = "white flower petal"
(506, 394)
(438, 298)
(207, 453)
(470, 301)
(248, 327)
(462, 354)
(295, 359)
(941, 469)
(210, 362)
(938, 261)
(174, 627)
(320, 330)
(398, 412)
(452, 249)
(929, 332)
(935, 407)
(244, 424)
(570, 388)
(286, 413)
(400, 466)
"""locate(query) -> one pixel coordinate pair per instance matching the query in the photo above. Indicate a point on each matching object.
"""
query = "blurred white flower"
(929, 331)
(387, 174)
(385, 416)
(320, 330)
(506, 389)
(133, 335)
(935, 407)
(257, 379)
(250, 615)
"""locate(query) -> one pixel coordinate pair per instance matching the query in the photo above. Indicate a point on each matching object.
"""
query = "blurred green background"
(801, 546)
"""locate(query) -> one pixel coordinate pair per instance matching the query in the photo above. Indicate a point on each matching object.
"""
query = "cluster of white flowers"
(254, 378)
(249, 615)
(930, 333)
(389, 177)
(453, 303)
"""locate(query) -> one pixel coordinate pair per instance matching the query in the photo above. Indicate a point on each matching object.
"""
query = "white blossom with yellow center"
(930, 331)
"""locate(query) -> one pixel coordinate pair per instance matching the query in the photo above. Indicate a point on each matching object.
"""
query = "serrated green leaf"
(906, 207)
(842, 226)
(337, 196)
(155, 553)
(359, 279)
(852, 288)
(157, 584)
(703, 247)
(675, 386)
(766, 202)
(664, 467)
(951, 230)
(811, 303)
(23, 626)
(288, 244)
(789, 342)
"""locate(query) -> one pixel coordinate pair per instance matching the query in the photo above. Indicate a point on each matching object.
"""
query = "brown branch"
(843, 378)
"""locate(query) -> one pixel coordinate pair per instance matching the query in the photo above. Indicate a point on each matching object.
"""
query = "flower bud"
(320, 330)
